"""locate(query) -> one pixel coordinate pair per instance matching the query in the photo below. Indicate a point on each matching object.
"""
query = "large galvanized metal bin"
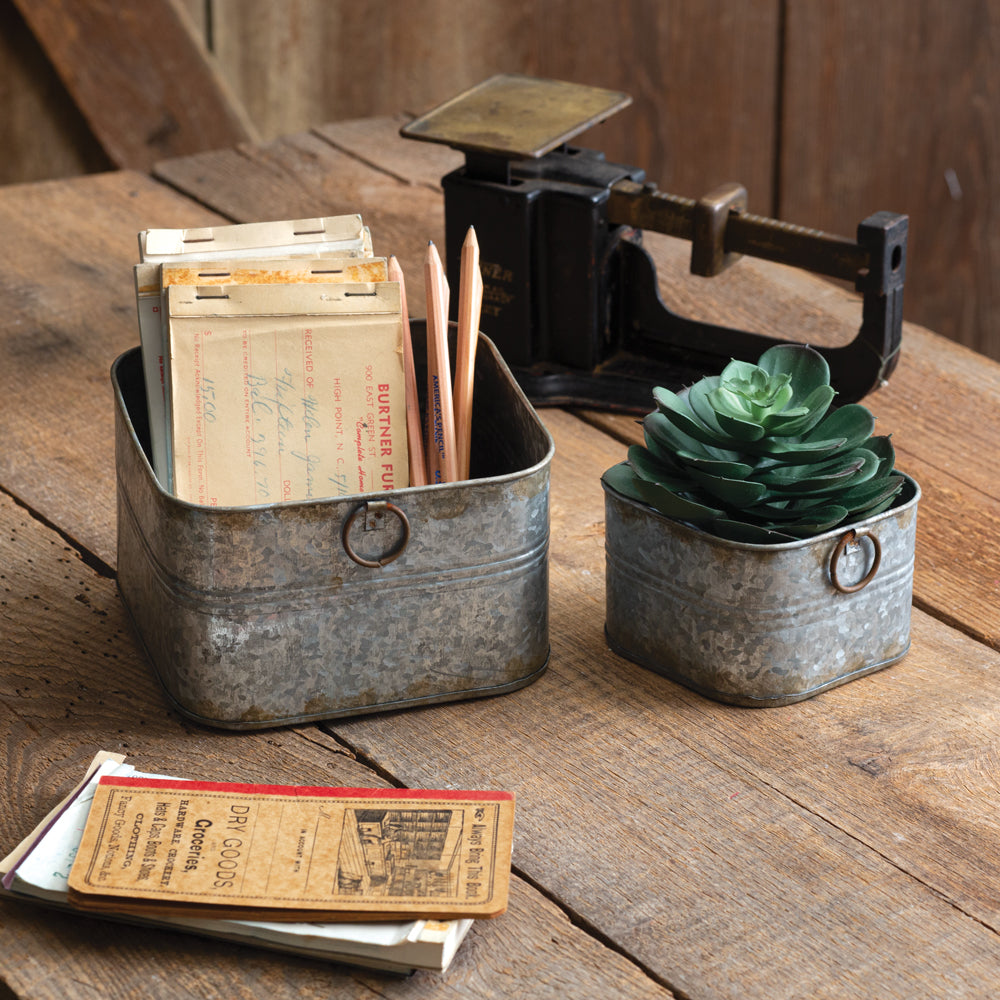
(759, 625)
(287, 613)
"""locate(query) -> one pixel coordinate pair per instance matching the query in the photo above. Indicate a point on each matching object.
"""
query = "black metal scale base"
(571, 298)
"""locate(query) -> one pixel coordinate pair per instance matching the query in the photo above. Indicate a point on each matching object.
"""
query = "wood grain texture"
(533, 951)
(348, 60)
(42, 132)
(892, 106)
(69, 311)
(412, 162)
(139, 73)
(704, 79)
(73, 683)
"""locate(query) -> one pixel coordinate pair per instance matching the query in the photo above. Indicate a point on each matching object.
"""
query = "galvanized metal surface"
(263, 616)
(757, 625)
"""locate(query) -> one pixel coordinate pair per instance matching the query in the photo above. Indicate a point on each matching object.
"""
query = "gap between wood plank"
(88, 558)
(751, 775)
(576, 919)
(371, 164)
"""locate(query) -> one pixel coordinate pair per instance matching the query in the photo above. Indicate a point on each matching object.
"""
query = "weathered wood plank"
(73, 682)
(42, 133)
(533, 951)
(924, 146)
(411, 161)
(703, 76)
(348, 60)
(140, 75)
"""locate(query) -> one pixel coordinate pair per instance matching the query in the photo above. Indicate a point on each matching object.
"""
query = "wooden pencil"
(470, 302)
(441, 466)
(414, 431)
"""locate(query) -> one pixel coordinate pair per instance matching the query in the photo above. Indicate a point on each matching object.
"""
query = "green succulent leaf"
(796, 451)
(660, 431)
(716, 466)
(737, 492)
(622, 479)
(674, 408)
(853, 422)
(865, 497)
(806, 367)
(755, 391)
(739, 428)
(879, 507)
(697, 399)
(664, 456)
(839, 472)
(820, 519)
(882, 447)
(802, 419)
(646, 466)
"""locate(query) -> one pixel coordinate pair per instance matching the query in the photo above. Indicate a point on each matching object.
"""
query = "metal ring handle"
(847, 539)
(389, 557)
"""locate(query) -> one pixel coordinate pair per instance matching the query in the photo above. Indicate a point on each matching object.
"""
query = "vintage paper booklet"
(38, 871)
(285, 392)
(281, 852)
(344, 236)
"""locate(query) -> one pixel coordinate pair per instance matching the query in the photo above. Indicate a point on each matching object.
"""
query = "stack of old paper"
(212, 858)
(273, 361)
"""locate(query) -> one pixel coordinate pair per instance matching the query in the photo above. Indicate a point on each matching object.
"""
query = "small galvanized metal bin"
(759, 625)
(287, 613)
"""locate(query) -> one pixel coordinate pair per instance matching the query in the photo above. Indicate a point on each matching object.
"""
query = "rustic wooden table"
(666, 845)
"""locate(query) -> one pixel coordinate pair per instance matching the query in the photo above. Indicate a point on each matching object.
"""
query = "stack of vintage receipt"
(384, 878)
(273, 360)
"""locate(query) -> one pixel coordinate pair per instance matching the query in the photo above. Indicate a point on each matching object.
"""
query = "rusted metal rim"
(389, 556)
(846, 539)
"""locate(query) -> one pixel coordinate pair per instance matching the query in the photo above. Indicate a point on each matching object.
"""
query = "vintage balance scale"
(571, 297)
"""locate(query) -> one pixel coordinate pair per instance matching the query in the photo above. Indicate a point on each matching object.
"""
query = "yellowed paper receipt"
(285, 393)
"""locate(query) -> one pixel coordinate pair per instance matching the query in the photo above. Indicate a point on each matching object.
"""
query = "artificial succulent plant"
(756, 454)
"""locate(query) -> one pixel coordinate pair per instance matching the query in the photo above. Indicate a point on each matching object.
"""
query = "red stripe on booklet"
(314, 791)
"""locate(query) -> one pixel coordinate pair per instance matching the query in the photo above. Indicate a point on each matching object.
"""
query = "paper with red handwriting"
(343, 237)
(282, 393)
(293, 852)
